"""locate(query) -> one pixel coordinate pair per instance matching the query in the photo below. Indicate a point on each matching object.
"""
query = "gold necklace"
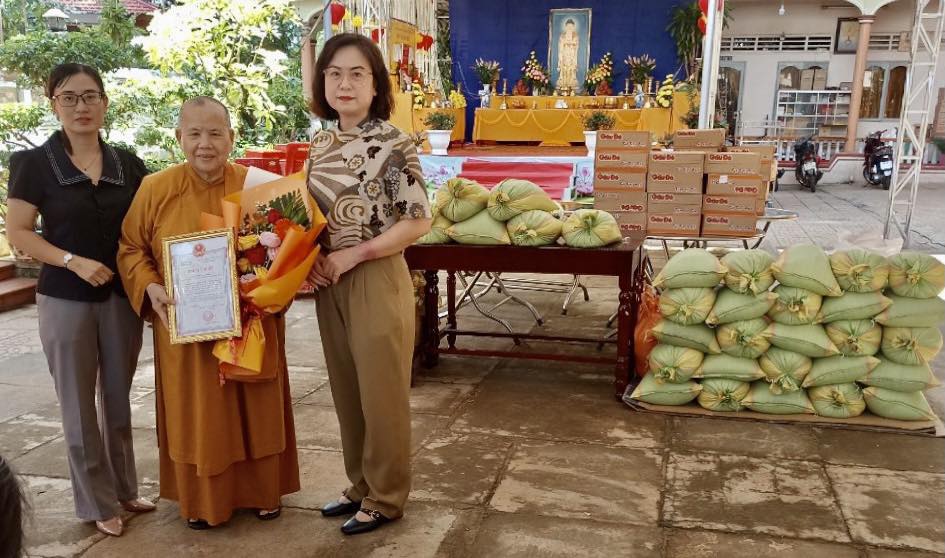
(86, 167)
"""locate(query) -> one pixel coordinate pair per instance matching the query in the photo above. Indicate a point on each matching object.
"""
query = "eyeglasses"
(72, 99)
(355, 77)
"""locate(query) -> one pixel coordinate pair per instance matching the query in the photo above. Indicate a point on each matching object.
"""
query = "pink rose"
(270, 239)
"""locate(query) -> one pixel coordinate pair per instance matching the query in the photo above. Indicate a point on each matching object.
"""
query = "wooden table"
(621, 261)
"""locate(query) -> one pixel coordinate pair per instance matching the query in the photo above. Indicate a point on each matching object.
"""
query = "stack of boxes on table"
(696, 189)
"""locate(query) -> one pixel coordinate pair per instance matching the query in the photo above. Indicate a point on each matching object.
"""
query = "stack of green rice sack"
(835, 336)
(515, 212)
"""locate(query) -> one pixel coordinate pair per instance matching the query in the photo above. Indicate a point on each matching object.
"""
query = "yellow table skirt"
(561, 126)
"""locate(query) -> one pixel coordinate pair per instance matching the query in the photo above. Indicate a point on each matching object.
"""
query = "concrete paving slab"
(519, 535)
(458, 469)
(558, 410)
(582, 481)
(744, 438)
(144, 411)
(437, 398)
(744, 494)
(885, 553)
(458, 370)
(27, 432)
(53, 529)
(892, 508)
(316, 428)
(18, 400)
(303, 380)
(685, 543)
(322, 474)
(321, 396)
(30, 370)
(886, 451)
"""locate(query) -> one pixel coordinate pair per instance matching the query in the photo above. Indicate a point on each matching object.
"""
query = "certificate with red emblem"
(200, 274)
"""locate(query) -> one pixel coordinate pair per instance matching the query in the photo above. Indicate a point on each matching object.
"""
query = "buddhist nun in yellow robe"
(222, 447)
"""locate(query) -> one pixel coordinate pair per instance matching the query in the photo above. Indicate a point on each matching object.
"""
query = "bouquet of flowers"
(276, 225)
(641, 68)
(457, 99)
(419, 98)
(486, 70)
(533, 73)
(602, 71)
(664, 95)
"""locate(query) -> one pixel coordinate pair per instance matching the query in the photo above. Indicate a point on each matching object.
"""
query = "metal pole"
(326, 18)
(708, 66)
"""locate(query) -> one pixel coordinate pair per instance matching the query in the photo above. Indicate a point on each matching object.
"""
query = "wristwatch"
(66, 258)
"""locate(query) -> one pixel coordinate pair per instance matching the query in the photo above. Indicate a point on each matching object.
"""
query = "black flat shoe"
(355, 527)
(336, 508)
(268, 516)
(198, 524)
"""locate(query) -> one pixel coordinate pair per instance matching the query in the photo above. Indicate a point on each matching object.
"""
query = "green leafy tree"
(35, 54)
(23, 16)
(235, 51)
(117, 23)
(19, 121)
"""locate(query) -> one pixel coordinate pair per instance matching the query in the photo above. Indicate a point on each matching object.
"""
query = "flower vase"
(536, 91)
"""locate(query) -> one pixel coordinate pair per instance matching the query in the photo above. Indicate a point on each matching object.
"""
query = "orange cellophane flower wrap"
(242, 358)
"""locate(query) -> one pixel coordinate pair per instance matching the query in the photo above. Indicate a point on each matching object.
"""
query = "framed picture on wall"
(569, 47)
(848, 36)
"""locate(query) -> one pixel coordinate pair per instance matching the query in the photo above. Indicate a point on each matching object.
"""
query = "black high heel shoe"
(355, 527)
(336, 508)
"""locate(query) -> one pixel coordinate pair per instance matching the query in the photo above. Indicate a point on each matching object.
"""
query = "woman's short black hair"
(62, 72)
(12, 505)
(383, 103)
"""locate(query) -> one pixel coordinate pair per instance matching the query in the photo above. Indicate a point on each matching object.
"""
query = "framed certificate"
(200, 272)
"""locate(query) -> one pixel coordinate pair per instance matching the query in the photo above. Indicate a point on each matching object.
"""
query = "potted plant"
(439, 129)
(593, 122)
(487, 71)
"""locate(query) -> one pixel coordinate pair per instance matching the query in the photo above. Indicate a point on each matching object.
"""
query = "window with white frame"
(884, 84)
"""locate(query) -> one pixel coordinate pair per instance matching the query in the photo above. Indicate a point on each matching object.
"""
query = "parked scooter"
(805, 164)
(877, 160)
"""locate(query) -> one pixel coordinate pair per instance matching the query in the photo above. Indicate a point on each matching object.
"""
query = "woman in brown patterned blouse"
(365, 176)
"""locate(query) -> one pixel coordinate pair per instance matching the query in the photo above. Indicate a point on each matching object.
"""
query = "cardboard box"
(619, 200)
(668, 181)
(620, 159)
(679, 162)
(631, 181)
(607, 139)
(733, 163)
(728, 185)
(668, 224)
(769, 165)
(699, 138)
(671, 202)
(727, 224)
(737, 204)
(632, 224)
(760, 206)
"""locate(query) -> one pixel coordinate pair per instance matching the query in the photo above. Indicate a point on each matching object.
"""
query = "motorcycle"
(805, 164)
(877, 160)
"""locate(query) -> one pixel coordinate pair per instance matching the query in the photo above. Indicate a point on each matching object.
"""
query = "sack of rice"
(794, 306)
(748, 271)
(855, 337)
(809, 340)
(841, 401)
(913, 312)
(590, 228)
(459, 199)
(916, 275)
(839, 370)
(719, 394)
(806, 266)
(534, 228)
(745, 339)
(897, 405)
(733, 307)
(900, 377)
(674, 364)
(437, 234)
(512, 197)
(859, 271)
(731, 368)
(664, 393)
(852, 306)
(762, 400)
(687, 306)
(698, 337)
(784, 370)
(911, 345)
(482, 229)
(693, 267)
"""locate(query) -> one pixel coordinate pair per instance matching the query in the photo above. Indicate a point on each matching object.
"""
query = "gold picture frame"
(205, 291)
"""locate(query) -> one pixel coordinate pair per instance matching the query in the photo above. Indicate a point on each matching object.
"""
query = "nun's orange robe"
(221, 447)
